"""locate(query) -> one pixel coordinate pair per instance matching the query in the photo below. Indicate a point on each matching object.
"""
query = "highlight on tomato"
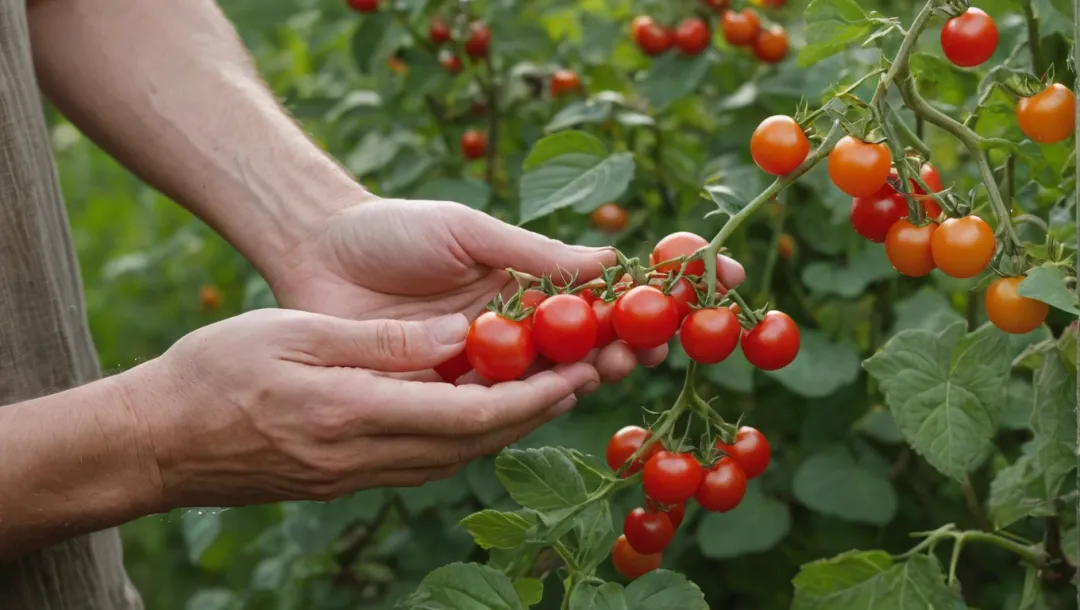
(709, 335)
(751, 450)
(771, 44)
(779, 145)
(609, 218)
(963, 247)
(969, 39)
(740, 28)
(671, 478)
(645, 317)
(624, 444)
(722, 487)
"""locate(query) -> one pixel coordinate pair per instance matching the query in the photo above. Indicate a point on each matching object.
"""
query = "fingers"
(382, 345)
(729, 271)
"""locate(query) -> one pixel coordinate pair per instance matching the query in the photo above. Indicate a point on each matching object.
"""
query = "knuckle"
(328, 425)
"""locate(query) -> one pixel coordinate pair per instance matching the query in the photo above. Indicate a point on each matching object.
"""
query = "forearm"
(168, 88)
(71, 463)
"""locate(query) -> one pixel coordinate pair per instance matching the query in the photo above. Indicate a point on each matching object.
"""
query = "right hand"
(284, 405)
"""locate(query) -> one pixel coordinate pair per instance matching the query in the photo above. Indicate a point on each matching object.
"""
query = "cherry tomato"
(609, 218)
(564, 81)
(771, 45)
(645, 317)
(210, 297)
(454, 368)
(588, 295)
(722, 487)
(692, 36)
(630, 563)
(439, 31)
(1011, 312)
(653, 38)
(710, 335)
(970, 39)
(648, 532)
(473, 144)
(932, 179)
(450, 62)
(773, 343)
(638, 25)
(873, 216)
(364, 6)
(396, 65)
(677, 245)
(499, 349)
(564, 328)
(779, 145)
(740, 27)
(963, 247)
(718, 6)
(624, 444)
(859, 168)
(908, 247)
(671, 478)
(676, 512)
(605, 329)
(1048, 116)
(532, 298)
(685, 296)
(751, 450)
(786, 246)
(479, 40)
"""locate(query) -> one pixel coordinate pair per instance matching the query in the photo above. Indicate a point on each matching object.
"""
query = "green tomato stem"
(1033, 36)
(907, 134)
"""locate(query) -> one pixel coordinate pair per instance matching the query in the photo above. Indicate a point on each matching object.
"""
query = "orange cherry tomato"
(908, 247)
(779, 145)
(740, 28)
(1011, 312)
(771, 45)
(859, 168)
(963, 247)
(564, 81)
(609, 218)
(1049, 116)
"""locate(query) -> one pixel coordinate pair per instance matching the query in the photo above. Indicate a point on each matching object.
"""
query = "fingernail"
(565, 405)
(590, 387)
(450, 330)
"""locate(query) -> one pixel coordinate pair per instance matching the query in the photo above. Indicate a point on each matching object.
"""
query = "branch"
(1033, 36)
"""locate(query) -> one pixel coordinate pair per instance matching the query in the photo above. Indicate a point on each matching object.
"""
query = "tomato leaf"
(862, 580)
(215, 599)
(879, 424)
(544, 480)
(201, 527)
(657, 590)
(848, 279)
(315, 525)
(581, 113)
(474, 193)
(1053, 421)
(571, 168)
(530, 590)
(672, 77)
(592, 536)
(1047, 284)
(832, 483)
(832, 25)
(821, 368)
(758, 524)
(1032, 593)
(927, 309)
(1019, 399)
(1017, 492)
(496, 529)
(464, 585)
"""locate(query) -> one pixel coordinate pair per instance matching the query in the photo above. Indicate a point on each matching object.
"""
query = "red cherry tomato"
(773, 343)
(1011, 312)
(723, 486)
(740, 27)
(873, 216)
(932, 179)
(1049, 116)
(605, 329)
(859, 168)
(963, 247)
(609, 218)
(684, 296)
(364, 6)
(450, 62)
(779, 145)
(479, 40)
(908, 247)
(677, 245)
(676, 512)
(630, 563)
(648, 532)
(671, 478)
(587, 295)
(473, 144)
(710, 335)
(624, 444)
(751, 450)
(645, 317)
(970, 39)
(563, 82)
(499, 349)
(454, 368)
(653, 38)
(719, 6)
(532, 298)
(771, 45)
(692, 36)
(439, 31)
(564, 328)
(638, 25)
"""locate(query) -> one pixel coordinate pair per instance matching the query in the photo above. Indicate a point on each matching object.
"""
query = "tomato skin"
(963, 247)
(692, 36)
(563, 82)
(532, 298)
(645, 317)
(638, 25)
(872, 217)
(773, 343)
(364, 6)
(751, 451)
(932, 179)
(439, 32)
(740, 28)
(908, 248)
(859, 168)
(499, 349)
(630, 563)
(671, 478)
(1049, 116)
(605, 330)
(723, 486)
(564, 328)
(786, 245)
(718, 6)
(624, 444)
(454, 368)
(710, 335)
(473, 144)
(676, 512)
(609, 218)
(1011, 312)
(479, 40)
(969, 39)
(682, 243)
(450, 62)
(653, 38)
(779, 145)
(684, 296)
(648, 532)
(771, 45)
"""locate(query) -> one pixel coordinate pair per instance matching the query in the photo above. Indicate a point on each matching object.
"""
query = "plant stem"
(1033, 36)
(661, 184)
(905, 132)
(972, 502)
(900, 61)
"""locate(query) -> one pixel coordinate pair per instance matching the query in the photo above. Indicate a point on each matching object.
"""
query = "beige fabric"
(44, 342)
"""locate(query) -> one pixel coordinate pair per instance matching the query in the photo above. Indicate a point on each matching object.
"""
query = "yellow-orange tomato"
(771, 45)
(786, 246)
(859, 168)
(1048, 116)
(210, 296)
(908, 247)
(610, 218)
(963, 247)
(1011, 312)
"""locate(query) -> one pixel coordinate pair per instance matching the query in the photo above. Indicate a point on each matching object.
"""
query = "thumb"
(391, 346)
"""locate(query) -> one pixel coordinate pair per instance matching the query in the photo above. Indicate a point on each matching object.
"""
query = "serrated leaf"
(848, 279)
(464, 586)
(1047, 284)
(592, 537)
(1017, 492)
(821, 368)
(1053, 421)
(871, 584)
(832, 483)
(474, 193)
(672, 77)
(758, 524)
(530, 590)
(1019, 400)
(657, 590)
(556, 145)
(734, 185)
(832, 25)
(571, 168)
(946, 391)
(880, 425)
(826, 576)
(544, 480)
(496, 529)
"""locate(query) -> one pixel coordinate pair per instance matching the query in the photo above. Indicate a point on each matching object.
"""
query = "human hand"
(415, 260)
(281, 405)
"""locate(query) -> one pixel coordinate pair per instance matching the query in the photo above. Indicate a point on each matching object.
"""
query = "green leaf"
(530, 590)
(544, 480)
(879, 424)
(733, 185)
(571, 168)
(866, 581)
(758, 524)
(214, 599)
(848, 279)
(946, 391)
(1019, 400)
(657, 590)
(375, 151)
(832, 483)
(374, 40)
(1017, 492)
(464, 586)
(832, 25)
(315, 525)
(1053, 421)
(580, 113)
(201, 527)
(474, 193)
(608, 596)
(592, 536)
(501, 530)
(821, 368)
(734, 373)
(1047, 284)
(1032, 593)
(673, 76)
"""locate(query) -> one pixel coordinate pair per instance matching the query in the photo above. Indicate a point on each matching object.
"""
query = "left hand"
(416, 260)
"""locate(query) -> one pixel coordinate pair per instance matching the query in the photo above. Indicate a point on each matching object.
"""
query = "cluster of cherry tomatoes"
(693, 35)
(670, 479)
